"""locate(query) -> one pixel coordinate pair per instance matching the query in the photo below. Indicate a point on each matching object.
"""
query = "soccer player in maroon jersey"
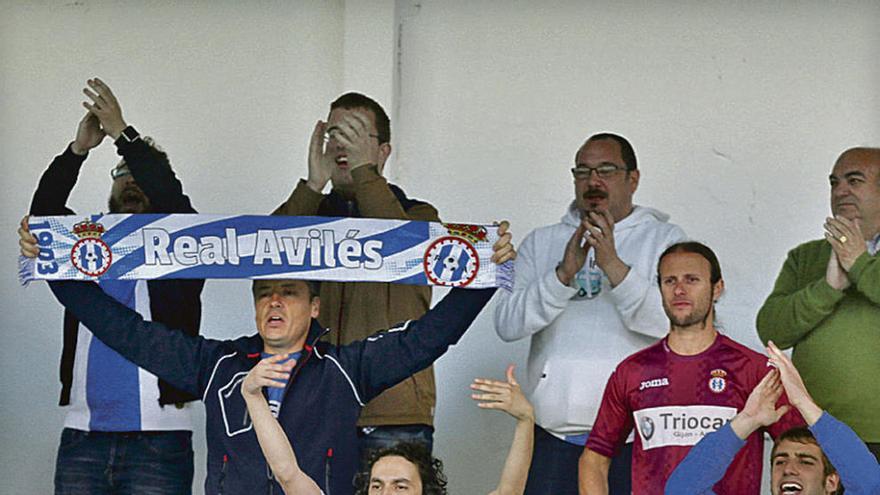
(674, 392)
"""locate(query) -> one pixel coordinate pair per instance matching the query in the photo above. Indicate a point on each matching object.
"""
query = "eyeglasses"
(605, 171)
(118, 172)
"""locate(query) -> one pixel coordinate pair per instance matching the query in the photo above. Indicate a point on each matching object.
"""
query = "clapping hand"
(760, 409)
(794, 385)
(506, 396)
(105, 107)
(845, 237)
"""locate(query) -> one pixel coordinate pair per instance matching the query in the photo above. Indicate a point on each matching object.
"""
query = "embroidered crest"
(473, 233)
(718, 382)
(90, 255)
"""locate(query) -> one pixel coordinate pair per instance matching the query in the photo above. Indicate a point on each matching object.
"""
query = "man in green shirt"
(826, 301)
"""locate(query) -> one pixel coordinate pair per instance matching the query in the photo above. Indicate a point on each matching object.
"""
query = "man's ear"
(316, 306)
(384, 153)
(718, 290)
(832, 483)
(633, 179)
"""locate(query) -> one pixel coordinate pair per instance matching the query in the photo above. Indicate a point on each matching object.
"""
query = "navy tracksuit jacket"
(322, 400)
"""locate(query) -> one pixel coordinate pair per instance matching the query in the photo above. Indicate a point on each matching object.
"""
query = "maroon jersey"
(673, 401)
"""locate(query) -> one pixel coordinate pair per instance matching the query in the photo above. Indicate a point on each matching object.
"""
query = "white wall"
(230, 91)
(736, 112)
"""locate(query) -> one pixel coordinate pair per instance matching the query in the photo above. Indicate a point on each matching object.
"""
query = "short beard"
(690, 321)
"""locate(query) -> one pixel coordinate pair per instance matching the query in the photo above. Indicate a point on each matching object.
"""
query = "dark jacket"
(324, 395)
(176, 303)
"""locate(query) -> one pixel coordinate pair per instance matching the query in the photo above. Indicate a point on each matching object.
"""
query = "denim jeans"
(379, 437)
(554, 469)
(136, 463)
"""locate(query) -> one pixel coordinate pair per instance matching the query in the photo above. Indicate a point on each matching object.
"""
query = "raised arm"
(388, 357)
(858, 468)
(306, 195)
(182, 360)
(508, 397)
(149, 166)
(709, 459)
(58, 180)
(273, 441)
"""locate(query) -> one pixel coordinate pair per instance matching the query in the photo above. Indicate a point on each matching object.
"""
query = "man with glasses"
(584, 294)
(349, 151)
(125, 430)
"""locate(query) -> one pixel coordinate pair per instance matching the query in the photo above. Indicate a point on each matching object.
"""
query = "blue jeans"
(380, 437)
(136, 463)
(554, 469)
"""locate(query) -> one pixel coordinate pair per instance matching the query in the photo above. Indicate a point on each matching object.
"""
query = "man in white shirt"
(584, 293)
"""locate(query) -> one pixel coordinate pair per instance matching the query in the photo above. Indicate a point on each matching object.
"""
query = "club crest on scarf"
(90, 254)
(452, 260)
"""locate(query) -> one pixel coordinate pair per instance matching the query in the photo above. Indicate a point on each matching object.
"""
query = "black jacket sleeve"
(55, 185)
(388, 357)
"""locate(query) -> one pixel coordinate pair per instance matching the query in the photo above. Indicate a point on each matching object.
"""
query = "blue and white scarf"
(138, 247)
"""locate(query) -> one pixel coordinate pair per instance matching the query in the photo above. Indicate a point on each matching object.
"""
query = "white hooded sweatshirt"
(578, 338)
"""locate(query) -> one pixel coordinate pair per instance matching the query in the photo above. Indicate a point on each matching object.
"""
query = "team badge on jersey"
(718, 382)
(90, 255)
(647, 427)
(451, 261)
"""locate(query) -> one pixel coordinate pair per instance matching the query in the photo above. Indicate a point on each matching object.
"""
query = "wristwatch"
(128, 135)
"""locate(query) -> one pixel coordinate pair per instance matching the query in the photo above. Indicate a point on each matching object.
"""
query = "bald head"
(867, 156)
(855, 188)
